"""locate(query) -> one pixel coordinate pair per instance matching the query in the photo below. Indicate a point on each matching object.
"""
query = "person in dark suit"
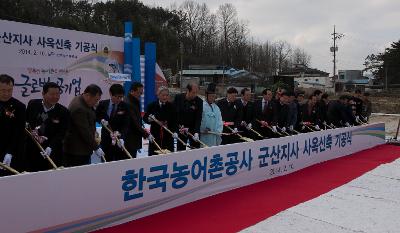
(135, 130)
(114, 113)
(231, 113)
(318, 94)
(164, 112)
(308, 112)
(299, 101)
(48, 120)
(189, 108)
(264, 111)
(247, 107)
(322, 116)
(367, 107)
(357, 98)
(282, 112)
(320, 108)
(12, 123)
(278, 94)
(337, 112)
(80, 140)
(351, 111)
(292, 119)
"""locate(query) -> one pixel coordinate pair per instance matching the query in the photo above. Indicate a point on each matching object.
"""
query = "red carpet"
(240, 208)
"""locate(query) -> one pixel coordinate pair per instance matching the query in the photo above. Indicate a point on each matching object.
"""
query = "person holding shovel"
(12, 123)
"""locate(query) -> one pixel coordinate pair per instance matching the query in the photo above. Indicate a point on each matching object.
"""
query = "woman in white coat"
(211, 122)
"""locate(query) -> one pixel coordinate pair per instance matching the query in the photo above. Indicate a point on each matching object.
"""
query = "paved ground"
(370, 203)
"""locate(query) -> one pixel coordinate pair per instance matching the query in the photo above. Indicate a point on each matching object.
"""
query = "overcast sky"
(368, 25)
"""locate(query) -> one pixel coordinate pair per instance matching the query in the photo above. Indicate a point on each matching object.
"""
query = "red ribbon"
(226, 123)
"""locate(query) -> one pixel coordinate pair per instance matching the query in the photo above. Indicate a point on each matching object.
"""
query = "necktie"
(113, 109)
(265, 107)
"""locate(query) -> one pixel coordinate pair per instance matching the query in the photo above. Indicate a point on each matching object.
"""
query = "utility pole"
(181, 73)
(223, 72)
(334, 49)
(385, 64)
(386, 81)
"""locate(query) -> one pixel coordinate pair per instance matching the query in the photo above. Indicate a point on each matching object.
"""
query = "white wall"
(313, 82)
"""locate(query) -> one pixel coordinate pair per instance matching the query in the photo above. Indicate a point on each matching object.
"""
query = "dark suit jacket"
(12, 123)
(80, 136)
(268, 115)
(293, 113)
(247, 111)
(118, 122)
(54, 127)
(230, 112)
(167, 115)
(321, 110)
(359, 105)
(281, 115)
(135, 129)
(337, 113)
(308, 115)
(189, 112)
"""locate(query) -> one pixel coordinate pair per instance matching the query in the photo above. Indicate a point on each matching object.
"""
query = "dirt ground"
(385, 104)
(391, 123)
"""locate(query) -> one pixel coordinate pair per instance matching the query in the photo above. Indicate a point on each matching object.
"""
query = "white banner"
(34, 55)
(95, 196)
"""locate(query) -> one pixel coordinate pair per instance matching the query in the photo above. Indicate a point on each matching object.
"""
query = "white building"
(351, 79)
(305, 77)
(318, 82)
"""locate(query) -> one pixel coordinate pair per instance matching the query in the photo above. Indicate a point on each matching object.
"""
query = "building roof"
(303, 71)
(311, 83)
(358, 81)
(229, 72)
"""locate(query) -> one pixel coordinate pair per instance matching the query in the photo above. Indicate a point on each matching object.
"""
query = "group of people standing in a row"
(274, 115)
(68, 135)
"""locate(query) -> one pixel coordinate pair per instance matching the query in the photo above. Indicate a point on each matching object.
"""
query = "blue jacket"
(212, 121)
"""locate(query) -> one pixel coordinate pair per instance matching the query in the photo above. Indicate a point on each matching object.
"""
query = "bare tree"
(209, 40)
(299, 56)
(283, 49)
(222, 38)
(227, 19)
(191, 11)
(208, 32)
(239, 44)
(271, 54)
(201, 32)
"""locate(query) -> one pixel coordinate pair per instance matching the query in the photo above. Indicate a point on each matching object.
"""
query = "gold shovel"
(40, 147)
(198, 140)
(269, 127)
(170, 132)
(12, 170)
(246, 139)
(123, 146)
(160, 150)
